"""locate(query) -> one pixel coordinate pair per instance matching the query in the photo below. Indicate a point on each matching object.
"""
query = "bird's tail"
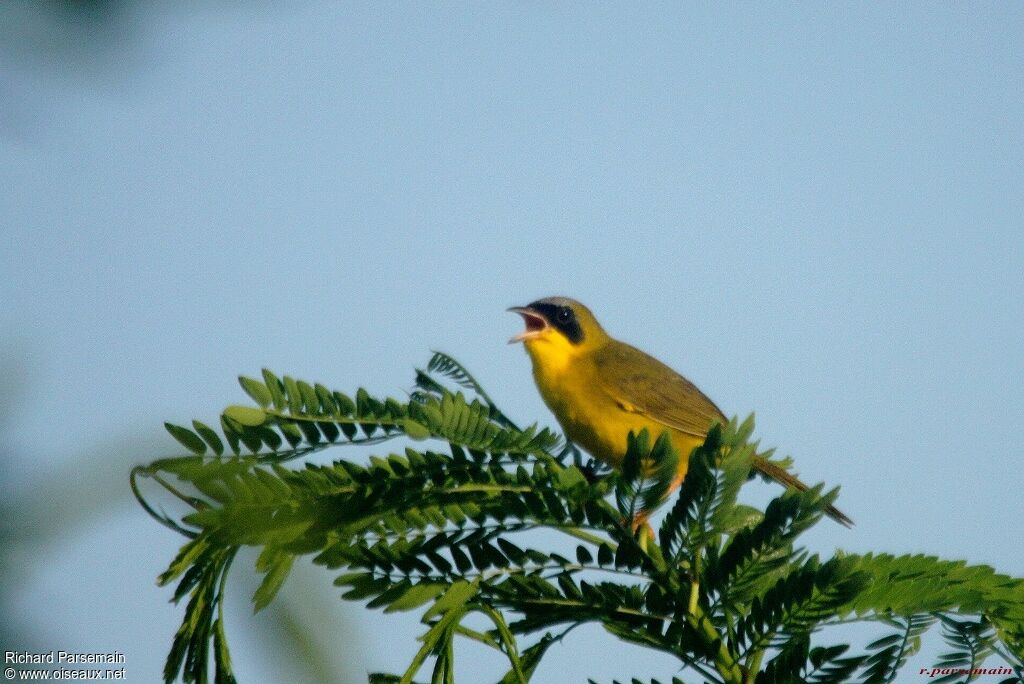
(787, 479)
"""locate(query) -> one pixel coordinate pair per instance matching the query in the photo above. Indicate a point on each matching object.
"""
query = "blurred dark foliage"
(51, 49)
(13, 628)
(52, 33)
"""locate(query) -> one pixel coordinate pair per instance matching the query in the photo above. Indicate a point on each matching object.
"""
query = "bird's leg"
(642, 530)
(591, 468)
(577, 455)
(570, 448)
(588, 468)
(591, 471)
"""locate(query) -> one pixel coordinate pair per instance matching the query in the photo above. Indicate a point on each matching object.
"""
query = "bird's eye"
(565, 315)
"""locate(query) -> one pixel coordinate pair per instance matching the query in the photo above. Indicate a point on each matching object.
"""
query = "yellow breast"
(587, 412)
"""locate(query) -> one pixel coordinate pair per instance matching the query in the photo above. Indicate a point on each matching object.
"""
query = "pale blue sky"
(813, 211)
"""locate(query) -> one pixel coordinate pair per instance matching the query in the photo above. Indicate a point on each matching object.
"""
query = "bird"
(601, 390)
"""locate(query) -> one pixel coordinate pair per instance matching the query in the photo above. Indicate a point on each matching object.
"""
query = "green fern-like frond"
(444, 526)
(686, 521)
(444, 365)
(201, 569)
(753, 557)
(647, 474)
(971, 641)
(799, 601)
(887, 654)
(827, 665)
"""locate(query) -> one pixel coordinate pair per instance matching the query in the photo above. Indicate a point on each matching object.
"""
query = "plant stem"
(725, 662)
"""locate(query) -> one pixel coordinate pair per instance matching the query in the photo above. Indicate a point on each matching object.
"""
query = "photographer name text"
(62, 657)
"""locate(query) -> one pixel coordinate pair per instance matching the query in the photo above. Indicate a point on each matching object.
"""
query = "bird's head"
(558, 326)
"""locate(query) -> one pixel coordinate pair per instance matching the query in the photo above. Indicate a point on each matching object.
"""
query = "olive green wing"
(641, 384)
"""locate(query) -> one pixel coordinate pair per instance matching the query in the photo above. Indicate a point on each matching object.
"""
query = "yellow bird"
(600, 389)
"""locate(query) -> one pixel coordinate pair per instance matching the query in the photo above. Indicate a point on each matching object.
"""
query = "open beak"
(535, 324)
